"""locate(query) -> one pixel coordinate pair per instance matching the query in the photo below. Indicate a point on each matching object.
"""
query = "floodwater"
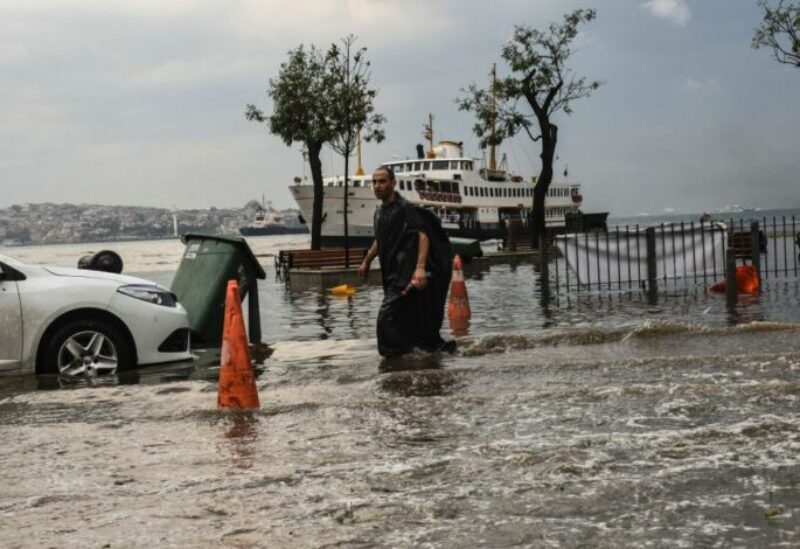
(597, 421)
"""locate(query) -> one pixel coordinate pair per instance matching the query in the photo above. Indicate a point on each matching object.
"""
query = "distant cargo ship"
(268, 222)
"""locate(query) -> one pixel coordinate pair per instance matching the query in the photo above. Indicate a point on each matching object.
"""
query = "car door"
(10, 321)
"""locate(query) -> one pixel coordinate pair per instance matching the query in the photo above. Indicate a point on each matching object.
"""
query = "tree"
(780, 31)
(540, 85)
(300, 114)
(351, 108)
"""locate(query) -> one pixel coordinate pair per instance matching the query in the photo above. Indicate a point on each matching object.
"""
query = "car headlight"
(151, 294)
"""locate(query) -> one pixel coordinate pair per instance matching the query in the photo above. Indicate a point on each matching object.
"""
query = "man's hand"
(420, 278)
(363, 269)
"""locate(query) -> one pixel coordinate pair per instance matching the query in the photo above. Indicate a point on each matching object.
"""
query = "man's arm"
(420, 277)
(363, 269)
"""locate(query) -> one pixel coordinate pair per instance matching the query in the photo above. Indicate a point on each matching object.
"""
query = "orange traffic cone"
(458, 310)
(237, 383)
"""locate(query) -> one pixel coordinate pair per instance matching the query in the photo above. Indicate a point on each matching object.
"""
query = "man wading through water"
(416, 265)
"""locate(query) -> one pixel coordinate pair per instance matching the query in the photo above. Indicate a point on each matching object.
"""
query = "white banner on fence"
(621, 257)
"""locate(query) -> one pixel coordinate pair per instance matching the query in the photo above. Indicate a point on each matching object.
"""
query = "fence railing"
(676, 255)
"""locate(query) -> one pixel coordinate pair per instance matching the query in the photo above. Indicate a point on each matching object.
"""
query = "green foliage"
(299, 107)
(540, 83)
(350, 99)
(780, 31)
(320, 99)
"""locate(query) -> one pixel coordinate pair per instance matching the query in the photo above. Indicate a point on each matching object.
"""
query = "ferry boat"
(473, 201)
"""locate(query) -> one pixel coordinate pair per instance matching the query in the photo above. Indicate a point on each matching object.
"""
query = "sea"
(603, 420)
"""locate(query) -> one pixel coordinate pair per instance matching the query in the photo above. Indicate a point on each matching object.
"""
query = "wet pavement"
(603, 422)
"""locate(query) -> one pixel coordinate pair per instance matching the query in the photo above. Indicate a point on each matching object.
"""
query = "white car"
(80, 322)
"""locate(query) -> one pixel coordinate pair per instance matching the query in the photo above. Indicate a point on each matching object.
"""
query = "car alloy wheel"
(87, 353)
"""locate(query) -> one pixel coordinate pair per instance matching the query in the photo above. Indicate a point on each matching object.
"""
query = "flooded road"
(603, 422)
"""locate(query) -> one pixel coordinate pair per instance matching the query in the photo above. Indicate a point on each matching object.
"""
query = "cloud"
(675, 11)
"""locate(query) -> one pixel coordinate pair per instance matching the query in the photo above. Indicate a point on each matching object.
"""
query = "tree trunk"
(314, 148)
(346, 224)
(549, 140)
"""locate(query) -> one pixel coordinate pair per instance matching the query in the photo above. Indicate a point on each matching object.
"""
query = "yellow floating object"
(344, 289)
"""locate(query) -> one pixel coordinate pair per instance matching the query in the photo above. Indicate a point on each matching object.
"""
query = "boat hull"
(267, 231)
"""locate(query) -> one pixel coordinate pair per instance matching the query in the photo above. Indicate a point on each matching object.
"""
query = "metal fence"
(676, 255)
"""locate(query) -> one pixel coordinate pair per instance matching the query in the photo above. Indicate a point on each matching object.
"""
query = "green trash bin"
(201, 281)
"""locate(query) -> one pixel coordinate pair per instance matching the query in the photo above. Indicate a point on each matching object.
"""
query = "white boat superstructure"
(472, 201)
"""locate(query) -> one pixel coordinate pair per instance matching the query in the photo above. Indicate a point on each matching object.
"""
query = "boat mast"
(360, 170)
(429, 136)
(492, 148)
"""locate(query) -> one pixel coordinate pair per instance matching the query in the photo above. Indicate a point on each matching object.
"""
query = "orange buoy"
(746, 281)
(458, 309)
(237, 382)
(343, 289)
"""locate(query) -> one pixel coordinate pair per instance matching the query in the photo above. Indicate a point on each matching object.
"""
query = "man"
(416, 266)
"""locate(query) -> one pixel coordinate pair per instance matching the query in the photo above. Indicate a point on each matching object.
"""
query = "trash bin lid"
(238, 242)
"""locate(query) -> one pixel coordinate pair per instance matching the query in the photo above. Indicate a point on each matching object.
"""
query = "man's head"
(383, 184)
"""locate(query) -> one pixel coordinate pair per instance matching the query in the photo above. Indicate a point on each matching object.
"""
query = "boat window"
(440, 164)
(454, 164)
(419, 185)
(445, 186)
(426, 166)
(455, 187)
(417, 166)
(398, 168)
(483, 191)
(409, 165)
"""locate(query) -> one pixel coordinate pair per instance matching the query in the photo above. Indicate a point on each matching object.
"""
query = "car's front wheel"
(87, 348)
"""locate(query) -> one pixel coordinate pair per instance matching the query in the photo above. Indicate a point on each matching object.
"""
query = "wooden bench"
(325, 258)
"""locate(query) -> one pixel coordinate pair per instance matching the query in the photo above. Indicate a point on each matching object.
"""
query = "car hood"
(101, 275)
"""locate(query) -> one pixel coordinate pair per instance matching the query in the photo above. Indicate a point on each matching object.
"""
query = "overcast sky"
(141, 102)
